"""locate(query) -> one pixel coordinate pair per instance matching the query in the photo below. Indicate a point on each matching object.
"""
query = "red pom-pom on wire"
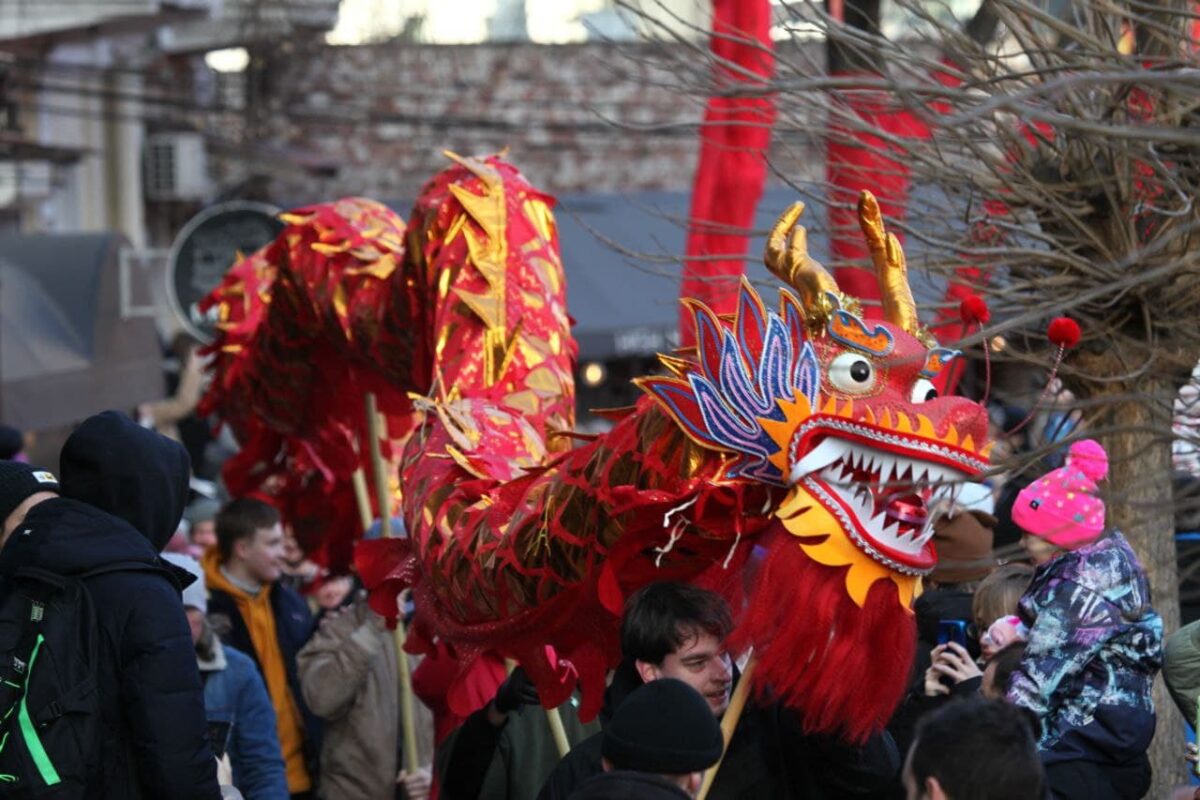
(1064, 332)
(973, 310)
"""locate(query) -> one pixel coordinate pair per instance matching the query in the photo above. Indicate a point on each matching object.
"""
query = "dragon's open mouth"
(883, 499)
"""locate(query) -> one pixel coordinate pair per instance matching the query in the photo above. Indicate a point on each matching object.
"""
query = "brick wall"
(577, 118)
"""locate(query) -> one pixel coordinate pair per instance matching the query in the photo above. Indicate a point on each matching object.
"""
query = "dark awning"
(65, 352)
(623, 258)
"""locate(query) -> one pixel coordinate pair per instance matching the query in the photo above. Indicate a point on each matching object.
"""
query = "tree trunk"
(1140, 504)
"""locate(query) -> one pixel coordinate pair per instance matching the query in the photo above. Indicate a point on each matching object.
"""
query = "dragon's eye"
(852, 373)
(923, 391)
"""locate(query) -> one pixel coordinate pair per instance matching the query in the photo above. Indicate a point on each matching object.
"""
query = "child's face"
(1040, 551)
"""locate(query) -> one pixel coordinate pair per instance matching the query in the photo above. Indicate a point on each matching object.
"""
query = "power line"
(438, 123)
(396, 90)
(539, 104)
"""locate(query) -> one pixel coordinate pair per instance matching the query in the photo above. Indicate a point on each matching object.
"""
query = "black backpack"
(50, 725)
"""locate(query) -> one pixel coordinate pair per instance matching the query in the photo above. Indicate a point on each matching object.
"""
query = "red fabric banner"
(732, 167)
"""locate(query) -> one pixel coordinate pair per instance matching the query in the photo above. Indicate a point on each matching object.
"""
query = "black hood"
(71, 538)
(113, 464)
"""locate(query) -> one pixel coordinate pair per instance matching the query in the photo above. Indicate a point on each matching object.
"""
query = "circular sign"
(205, 249)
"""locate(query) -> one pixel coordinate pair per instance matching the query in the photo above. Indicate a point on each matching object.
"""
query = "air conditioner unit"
(176, 166)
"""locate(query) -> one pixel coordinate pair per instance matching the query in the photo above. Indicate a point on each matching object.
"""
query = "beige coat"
(348, 677)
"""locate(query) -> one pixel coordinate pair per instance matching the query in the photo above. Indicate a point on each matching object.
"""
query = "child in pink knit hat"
(1095, 642)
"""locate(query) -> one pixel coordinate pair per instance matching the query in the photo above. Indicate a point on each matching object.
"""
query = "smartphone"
(218, 736)
(952, 630)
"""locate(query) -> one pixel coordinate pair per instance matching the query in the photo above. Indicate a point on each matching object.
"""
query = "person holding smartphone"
(963, 537)
(953, 672)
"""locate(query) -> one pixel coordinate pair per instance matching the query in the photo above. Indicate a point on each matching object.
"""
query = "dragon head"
(840, 410)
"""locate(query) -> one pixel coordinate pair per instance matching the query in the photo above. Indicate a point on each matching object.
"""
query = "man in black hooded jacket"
(124, 489)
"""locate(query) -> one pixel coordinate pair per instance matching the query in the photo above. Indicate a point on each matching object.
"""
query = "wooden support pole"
(407, 720)
(553, 717)
(384, 496)
(362, 498)
(558, 732)
(382, 490)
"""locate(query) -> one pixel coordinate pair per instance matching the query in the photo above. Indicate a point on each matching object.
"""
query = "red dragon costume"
(787, 460)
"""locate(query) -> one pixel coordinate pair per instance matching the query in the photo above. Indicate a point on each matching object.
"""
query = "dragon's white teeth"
(881, 464)
(836, 461)
(821, 456)
(890, 535)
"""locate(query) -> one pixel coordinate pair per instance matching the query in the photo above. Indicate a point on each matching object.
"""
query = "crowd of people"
(229, 665)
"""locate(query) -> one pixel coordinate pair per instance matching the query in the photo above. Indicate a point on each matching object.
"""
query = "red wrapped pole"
(732, 168)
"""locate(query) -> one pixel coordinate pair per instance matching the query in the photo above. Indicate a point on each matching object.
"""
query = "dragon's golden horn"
(787, 257)
(890, 268)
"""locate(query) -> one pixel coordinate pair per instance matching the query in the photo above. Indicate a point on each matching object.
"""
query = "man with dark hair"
(974, 749)
(674, 630)
(268, 622)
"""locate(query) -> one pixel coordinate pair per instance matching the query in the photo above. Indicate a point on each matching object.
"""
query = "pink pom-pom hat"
(1063, 506)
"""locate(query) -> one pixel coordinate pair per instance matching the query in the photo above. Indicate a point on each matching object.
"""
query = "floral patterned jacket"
(1094, 639)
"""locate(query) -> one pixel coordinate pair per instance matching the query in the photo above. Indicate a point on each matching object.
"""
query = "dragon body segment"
(788, 461)
(803, 446)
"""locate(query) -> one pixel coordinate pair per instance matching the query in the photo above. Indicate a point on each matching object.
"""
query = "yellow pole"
(558, 732)
(362, 498)
(737, 704)
(407, 722)
(553, 717)
(383, 493)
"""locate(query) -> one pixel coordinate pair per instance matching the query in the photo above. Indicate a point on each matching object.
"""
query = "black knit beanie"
(664, 727)
(18, 481)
